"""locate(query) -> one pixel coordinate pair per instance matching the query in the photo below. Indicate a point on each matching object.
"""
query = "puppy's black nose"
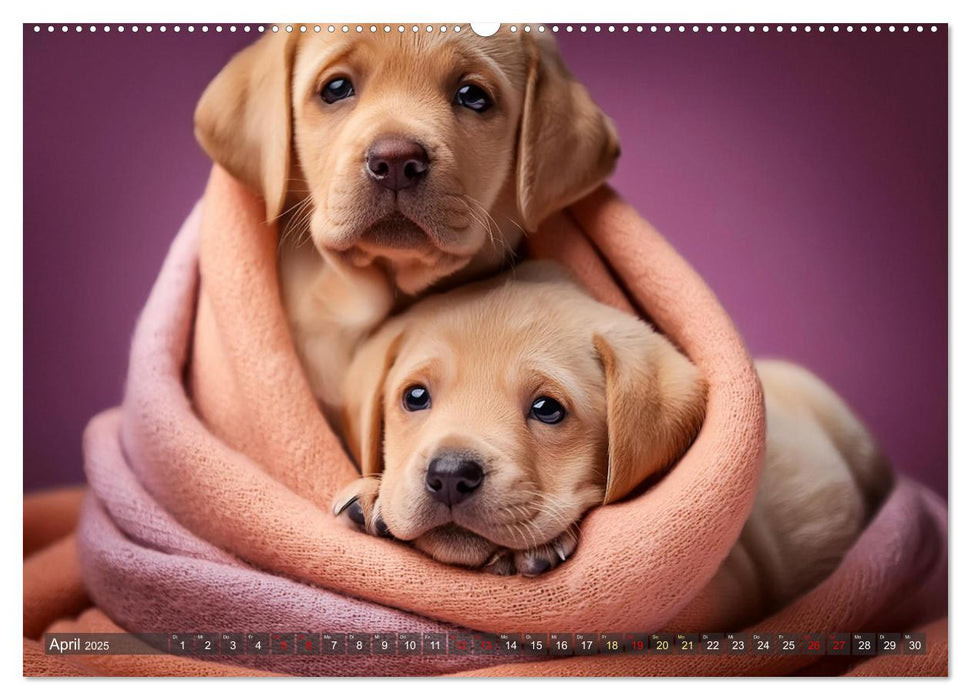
(451, 478)
(396, 163)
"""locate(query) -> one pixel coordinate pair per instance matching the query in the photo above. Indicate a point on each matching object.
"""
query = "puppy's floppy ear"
(655, 404)
(363, 393)
(243, 118)
(567, 146)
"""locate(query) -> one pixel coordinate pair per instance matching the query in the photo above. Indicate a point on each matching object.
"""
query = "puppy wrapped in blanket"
(488, 420)
(395, 162)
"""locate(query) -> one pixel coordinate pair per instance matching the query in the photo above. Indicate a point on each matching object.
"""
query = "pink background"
(804, 175)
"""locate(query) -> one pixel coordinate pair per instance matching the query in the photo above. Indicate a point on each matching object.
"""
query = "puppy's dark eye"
(416, 398)
(472, 96)
(337, 89)
(547, 410)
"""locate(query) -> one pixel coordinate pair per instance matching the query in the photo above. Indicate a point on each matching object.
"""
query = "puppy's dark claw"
(536, 561)
(380, 527)
(356, 505)
(534, 566)
(356, 512)
(341, 507)
(501, 563)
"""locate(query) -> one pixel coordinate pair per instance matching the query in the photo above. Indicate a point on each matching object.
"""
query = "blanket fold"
(210, 485)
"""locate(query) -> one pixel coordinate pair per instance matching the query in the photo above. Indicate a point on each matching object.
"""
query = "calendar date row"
(475, 643)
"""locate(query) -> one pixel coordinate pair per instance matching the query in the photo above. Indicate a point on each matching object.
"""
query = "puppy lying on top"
(395, 162)
(488, 420)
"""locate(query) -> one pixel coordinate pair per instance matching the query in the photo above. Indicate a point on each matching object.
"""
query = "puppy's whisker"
(488, 222)
(295, 206)
(298, 221)
(494, 231)
(520, 533)
(302, 228)
(481, 216)
(472, 214)
(535, 534)
(298, 206)
(521, 516)
(301, 222)
(517, 513)
(554, 508)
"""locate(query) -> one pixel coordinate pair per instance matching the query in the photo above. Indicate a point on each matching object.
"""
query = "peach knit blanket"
(207, 507)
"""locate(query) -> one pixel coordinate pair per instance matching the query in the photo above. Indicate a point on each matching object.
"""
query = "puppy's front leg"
(534, 561)
(357, 506)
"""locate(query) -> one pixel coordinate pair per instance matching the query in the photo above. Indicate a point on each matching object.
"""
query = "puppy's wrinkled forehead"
(432, 59)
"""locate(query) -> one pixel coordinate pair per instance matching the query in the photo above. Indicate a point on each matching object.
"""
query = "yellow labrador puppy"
(396, 162)
(488, 420)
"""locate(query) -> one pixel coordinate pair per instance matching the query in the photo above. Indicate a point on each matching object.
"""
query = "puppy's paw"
(535, 561)
(357, 506)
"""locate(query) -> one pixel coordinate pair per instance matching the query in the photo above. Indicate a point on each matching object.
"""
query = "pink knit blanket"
(210, 486)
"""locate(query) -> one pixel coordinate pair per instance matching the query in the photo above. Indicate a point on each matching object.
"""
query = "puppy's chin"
(413, 276)
(452, 544)
(410, 270)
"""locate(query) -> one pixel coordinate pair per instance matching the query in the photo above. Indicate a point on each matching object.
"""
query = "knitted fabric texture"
(209, 491)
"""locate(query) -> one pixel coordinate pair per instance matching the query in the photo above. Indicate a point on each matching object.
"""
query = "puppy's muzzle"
(453, 477)
(396, 163)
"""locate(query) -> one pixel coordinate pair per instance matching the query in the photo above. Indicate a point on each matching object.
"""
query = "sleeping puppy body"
(395, 162)
(488, 420)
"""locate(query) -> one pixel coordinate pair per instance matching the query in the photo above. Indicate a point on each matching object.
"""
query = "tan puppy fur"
(485, 353)
(633, 405)
(352, 249)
